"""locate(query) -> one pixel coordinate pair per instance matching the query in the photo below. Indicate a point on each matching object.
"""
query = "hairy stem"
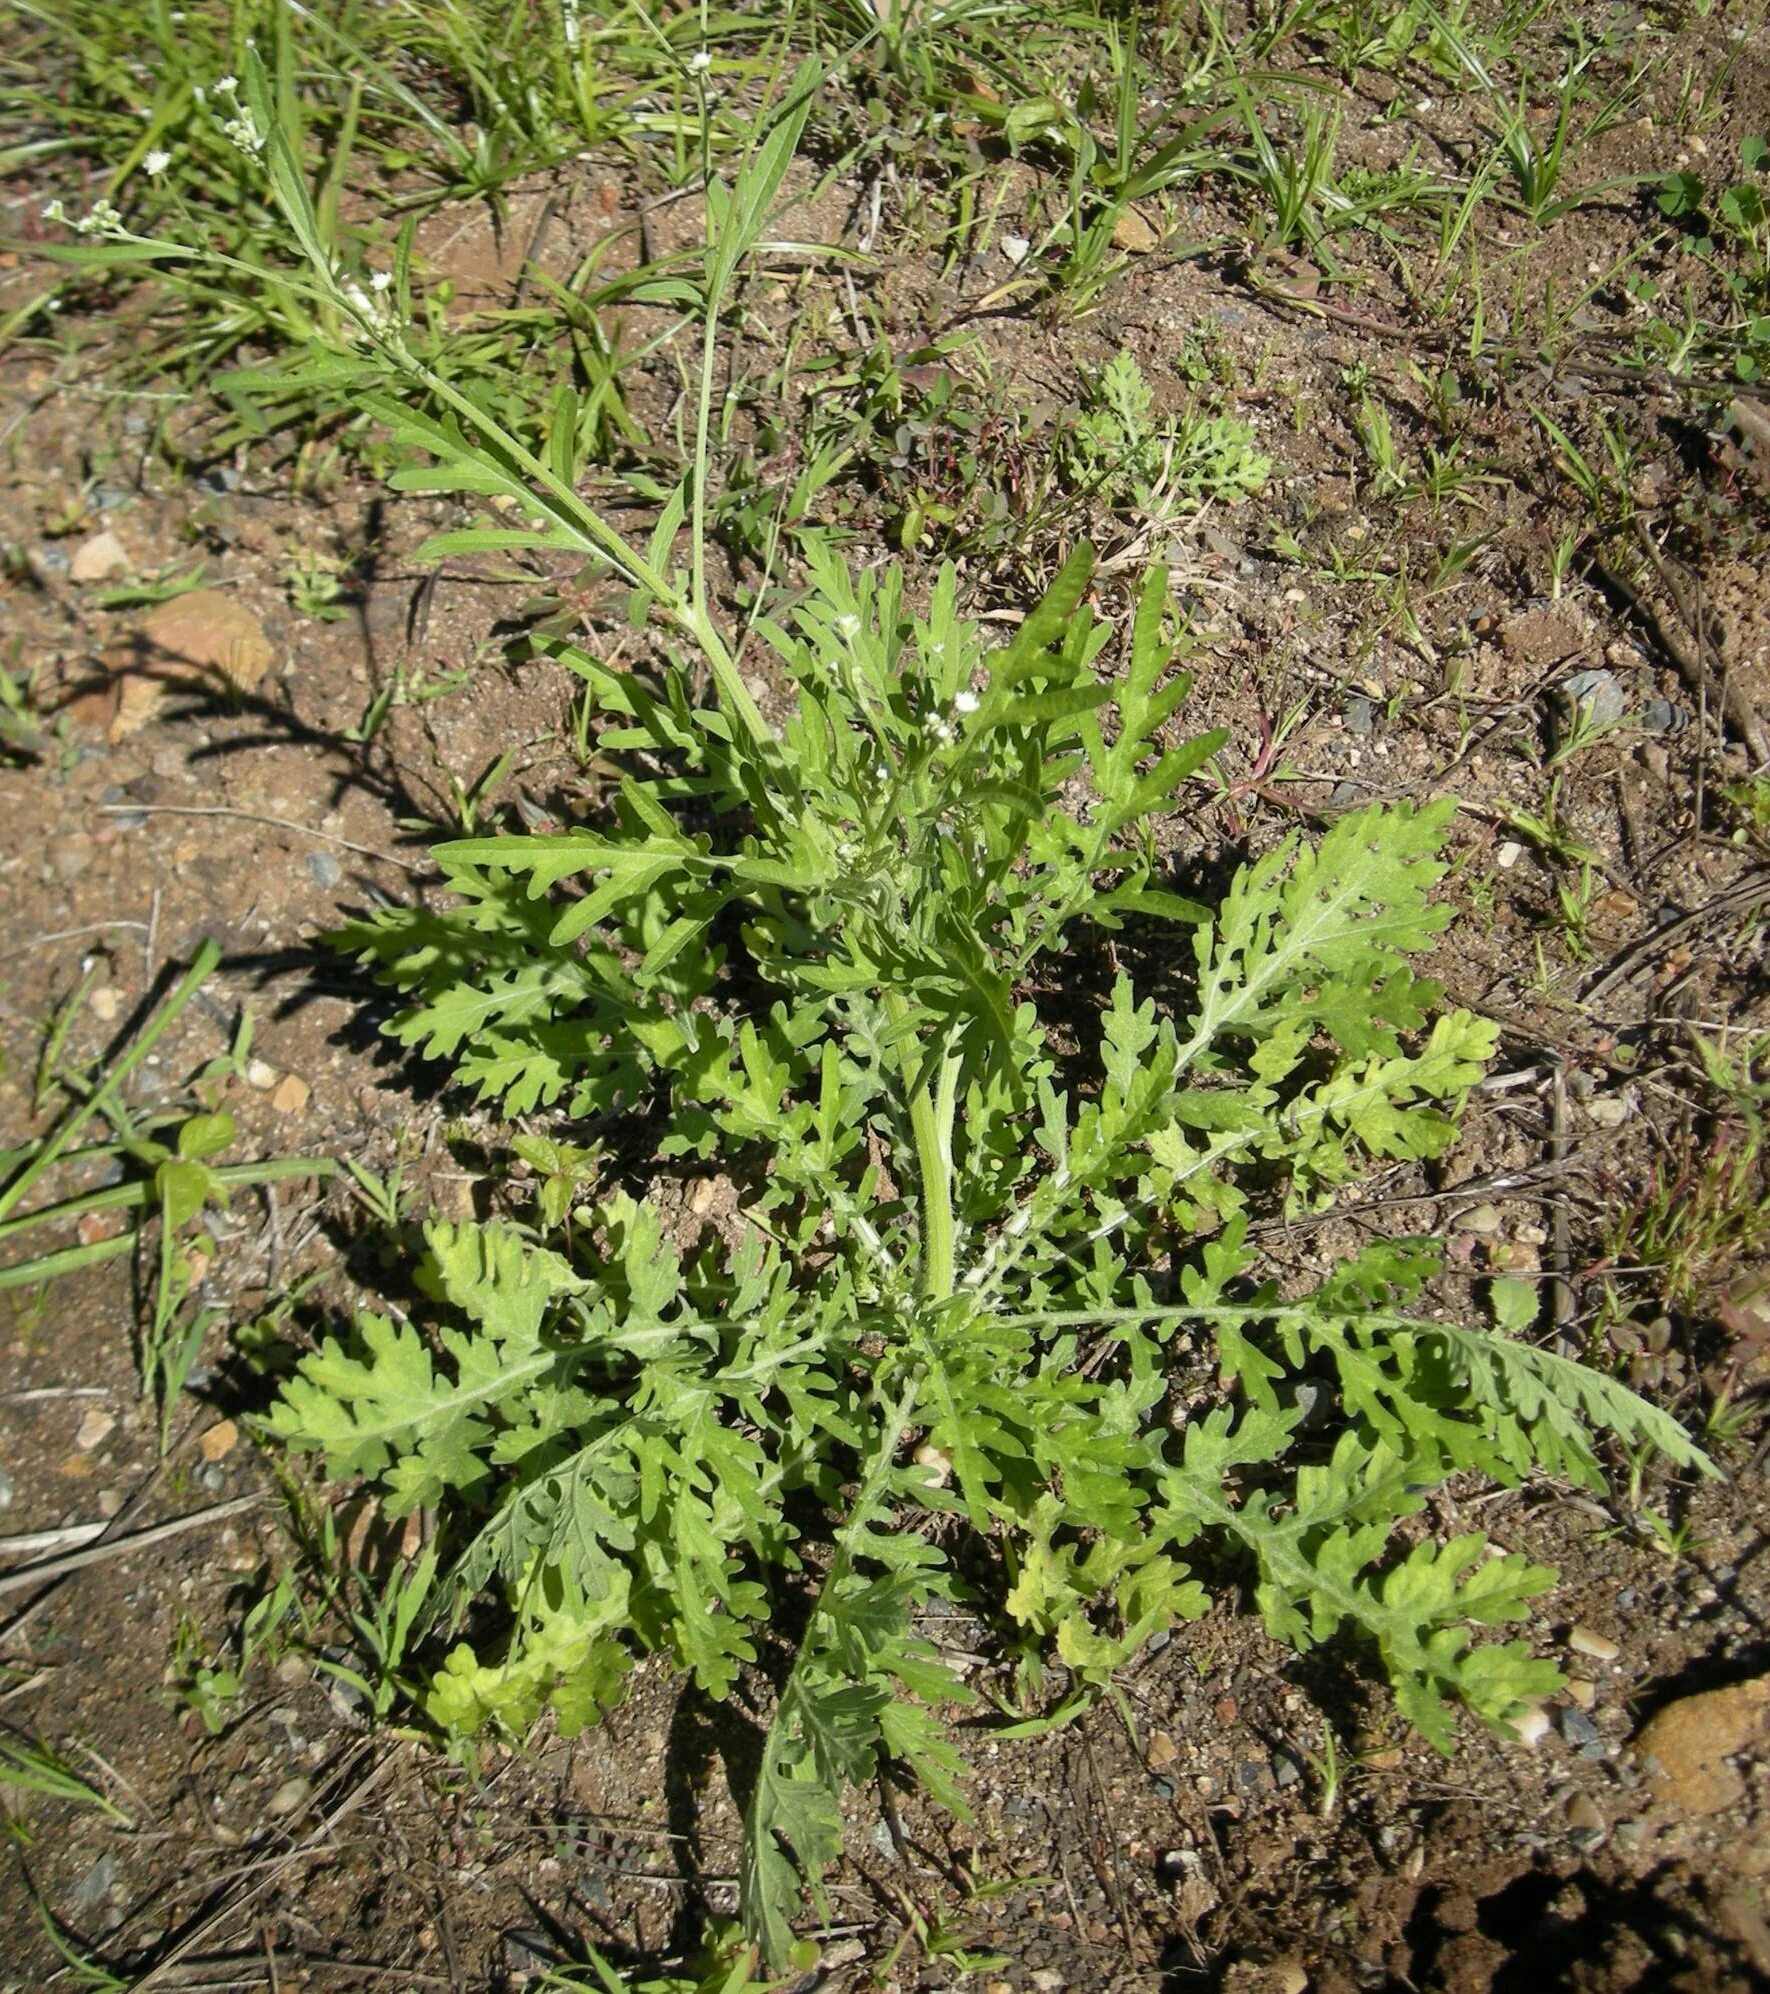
(931, 1124)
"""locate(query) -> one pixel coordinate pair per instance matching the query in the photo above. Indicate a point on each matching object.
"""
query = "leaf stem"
(931, 1124)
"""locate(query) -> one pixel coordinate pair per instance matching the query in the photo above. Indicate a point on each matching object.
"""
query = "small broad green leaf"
(1515, 1303)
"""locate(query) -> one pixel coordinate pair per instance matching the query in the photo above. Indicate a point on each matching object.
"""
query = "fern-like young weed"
(964, 1250)
(932, 1361)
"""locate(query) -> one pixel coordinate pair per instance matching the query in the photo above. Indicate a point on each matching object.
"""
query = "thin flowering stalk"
(561, 506)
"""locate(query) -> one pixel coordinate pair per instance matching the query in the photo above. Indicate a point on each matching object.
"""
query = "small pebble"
(1483, 1219)
(219, 1440)
(1509, 854)
(1660, 716)
(1578, 1729)
(105, 1004)
(1584, 1640)
(94, 1428)
(261, 1075)
(289, 1797)
(325, 868)
(1532, 1724)
(1597, 695)
(71, 856)
(1162, 1750)
(1583, 1816)
(99, 558)
(290, 1095)
(95, 1886)
(1582, 1693)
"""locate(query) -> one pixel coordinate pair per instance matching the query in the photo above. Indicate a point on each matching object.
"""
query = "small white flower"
(381, 280)
(156, 163)
(227, 85)
(102, 220)
(965, 702)
(53, 211)
(1015, 248)
(699, 63)
(848, 627)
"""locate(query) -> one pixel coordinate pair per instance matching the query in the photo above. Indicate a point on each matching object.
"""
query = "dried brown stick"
(1688, 655)
(254, 817)
(206, 1927)
(1740, 899)
(1562, 1299)
(117, 1547)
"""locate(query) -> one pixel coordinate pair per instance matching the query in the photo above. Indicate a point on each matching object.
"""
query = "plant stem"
(203, 966)
(931, 1123)
(761, 1918)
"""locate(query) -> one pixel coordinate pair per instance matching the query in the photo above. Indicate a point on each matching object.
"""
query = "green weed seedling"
(171, 1177)
(34, 1769)
(1119, 452)
(857, 953)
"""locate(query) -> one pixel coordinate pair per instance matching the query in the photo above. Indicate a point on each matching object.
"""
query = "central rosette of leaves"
(851, 967)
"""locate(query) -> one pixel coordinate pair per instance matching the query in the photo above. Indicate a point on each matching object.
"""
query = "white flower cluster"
(102, 218)
(373, 308)
(940, 725)
(240, 128)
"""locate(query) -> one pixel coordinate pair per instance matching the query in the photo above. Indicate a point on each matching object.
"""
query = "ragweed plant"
(1120, 451)
(969, 1239)
(859, 961)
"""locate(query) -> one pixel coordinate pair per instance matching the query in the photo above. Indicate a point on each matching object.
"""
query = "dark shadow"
(1558, 1928)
